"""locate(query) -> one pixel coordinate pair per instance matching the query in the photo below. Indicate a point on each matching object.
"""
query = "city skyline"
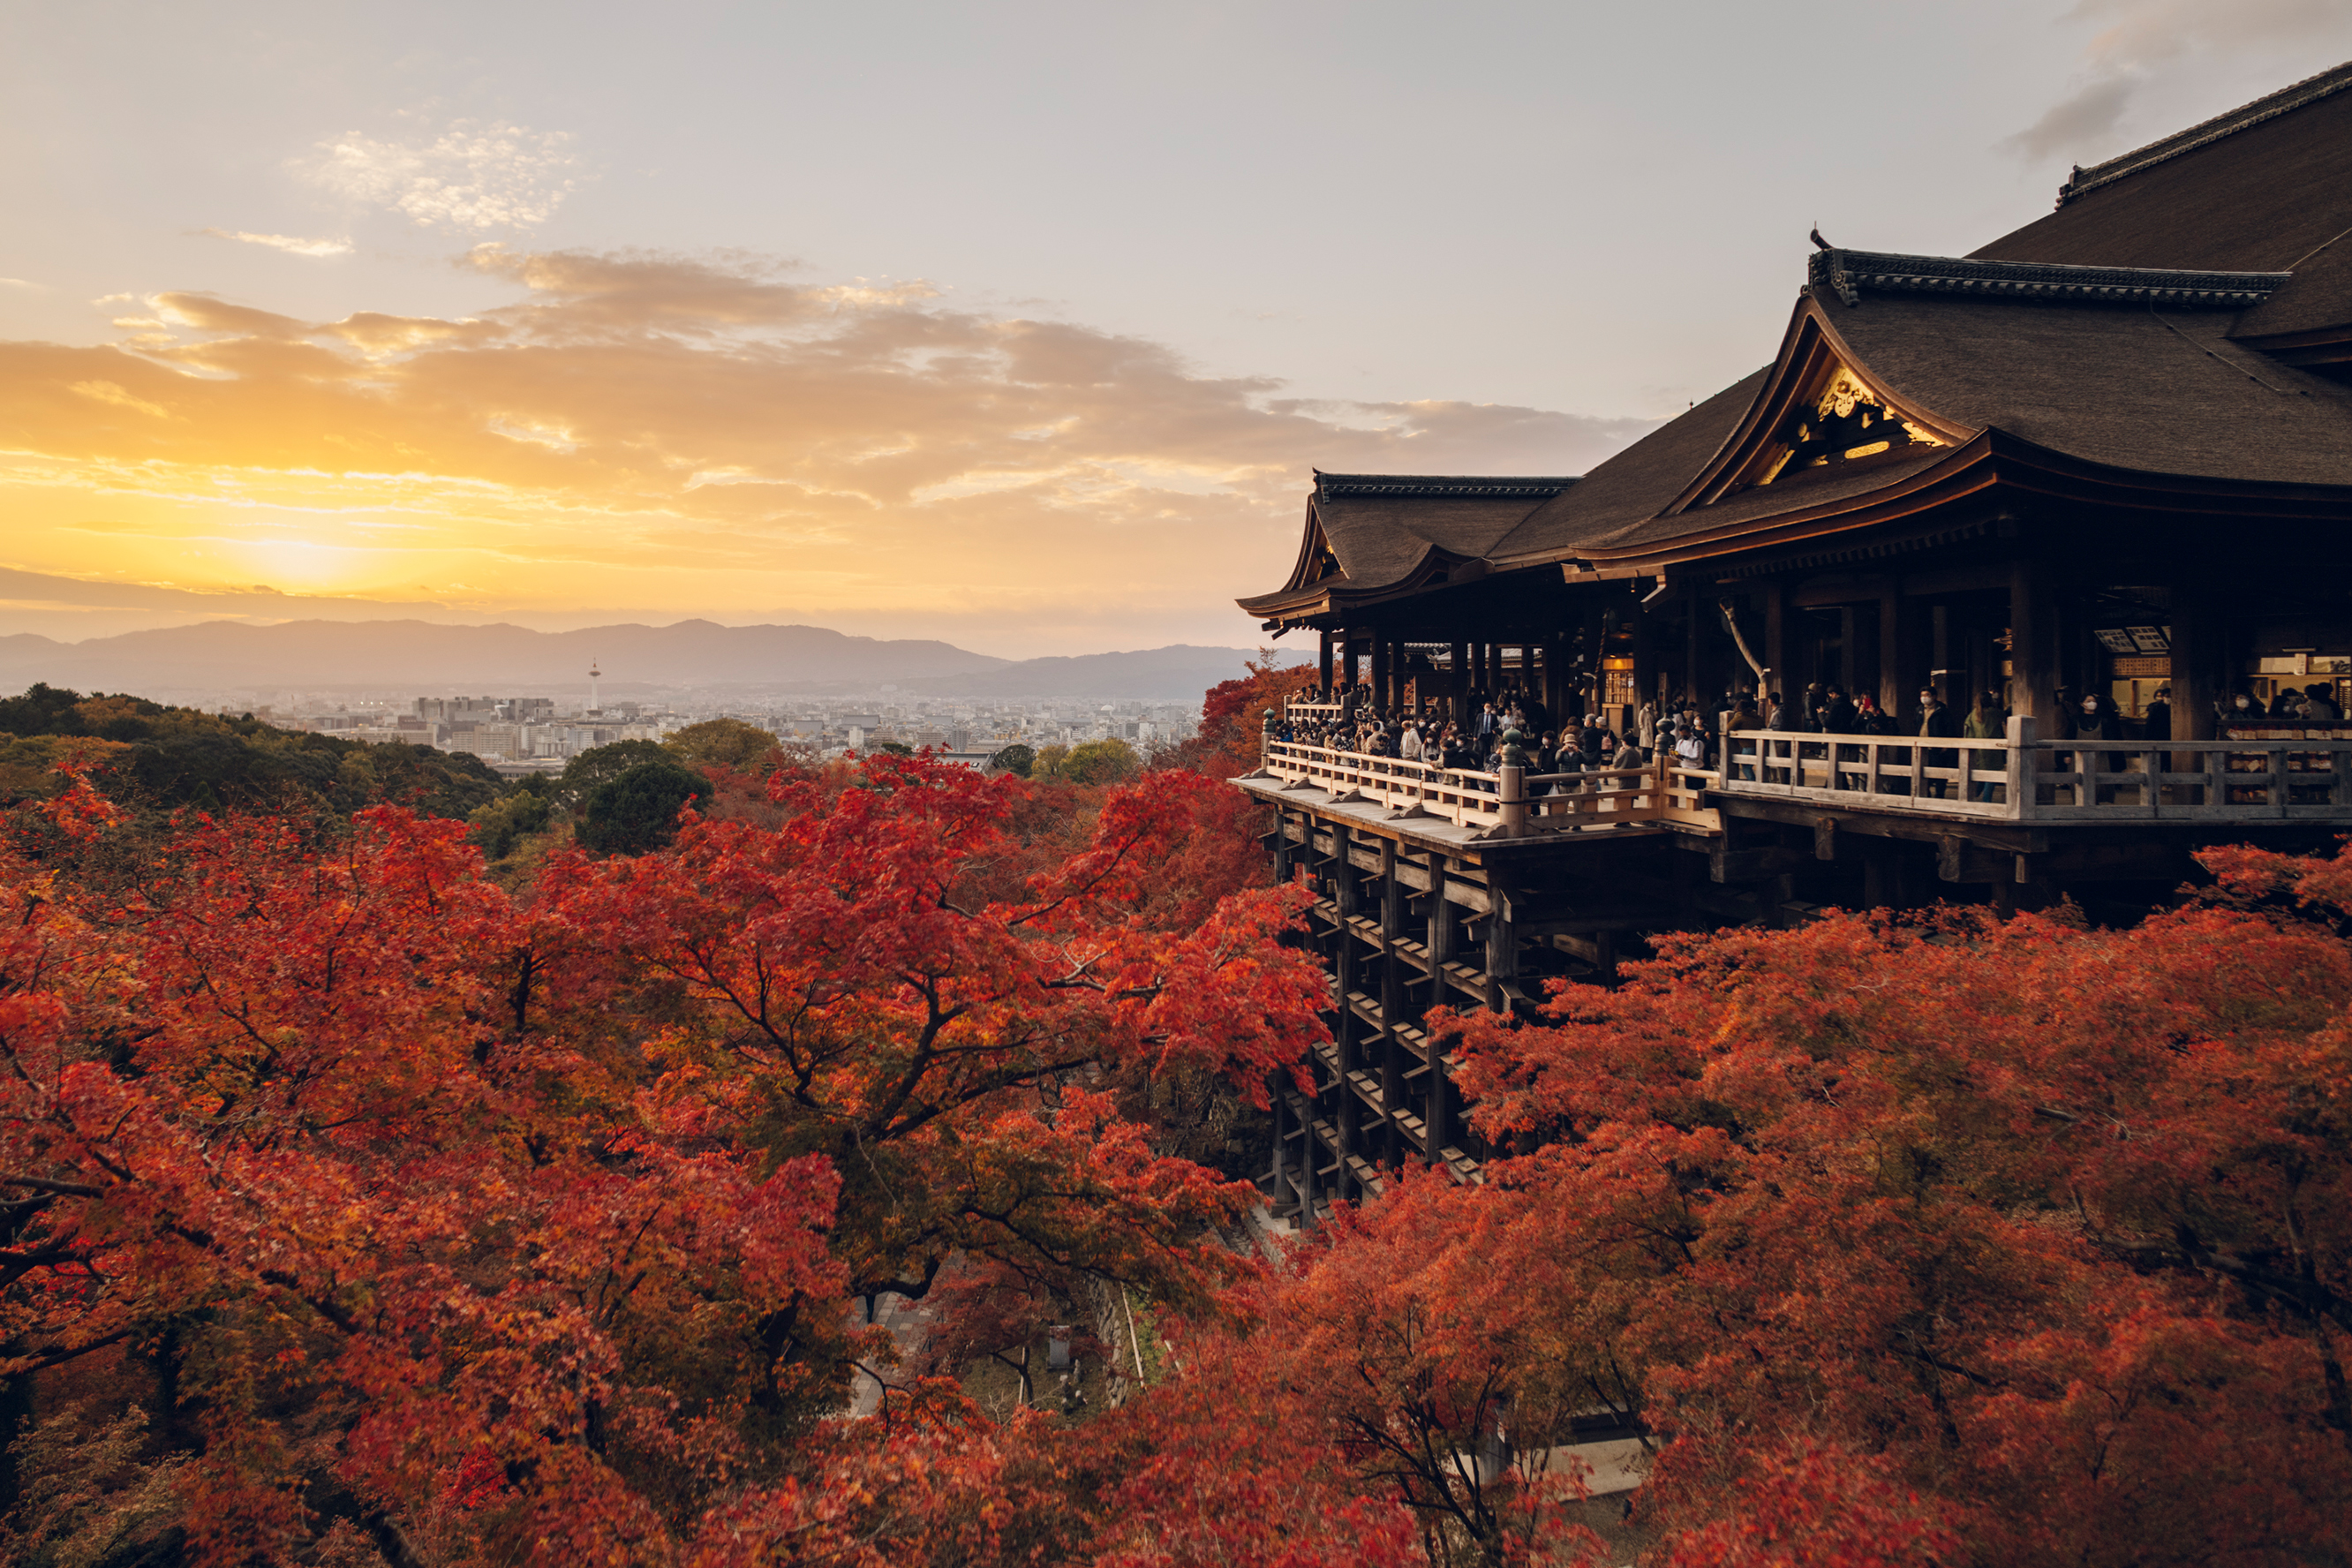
(1023, 336)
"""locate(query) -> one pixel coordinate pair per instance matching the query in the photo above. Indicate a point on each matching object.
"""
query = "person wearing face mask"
(2096, 719)
(2241, 712)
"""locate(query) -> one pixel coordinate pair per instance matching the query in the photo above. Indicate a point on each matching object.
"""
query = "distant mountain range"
(428, 658)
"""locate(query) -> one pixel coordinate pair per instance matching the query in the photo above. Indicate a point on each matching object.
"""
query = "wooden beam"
(1825, 838)
(1994, 835)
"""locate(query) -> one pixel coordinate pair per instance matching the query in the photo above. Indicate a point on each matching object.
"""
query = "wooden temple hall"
(2110, 452)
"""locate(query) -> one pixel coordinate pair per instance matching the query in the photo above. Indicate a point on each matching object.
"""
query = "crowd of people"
(1686, 730)
(1585, 744)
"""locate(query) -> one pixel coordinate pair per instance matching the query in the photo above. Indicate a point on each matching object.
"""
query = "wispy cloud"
(108, 392)
(709, 436)
(2140, 41)
(474, 177)
(291, 243)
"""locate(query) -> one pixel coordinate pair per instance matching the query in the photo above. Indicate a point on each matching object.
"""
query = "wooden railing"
(2022, 778)
(1507, 801)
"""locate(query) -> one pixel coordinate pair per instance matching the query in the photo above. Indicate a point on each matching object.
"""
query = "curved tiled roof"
(1637, 483)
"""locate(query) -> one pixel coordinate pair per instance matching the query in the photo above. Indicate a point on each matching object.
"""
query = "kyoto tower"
(595, 701)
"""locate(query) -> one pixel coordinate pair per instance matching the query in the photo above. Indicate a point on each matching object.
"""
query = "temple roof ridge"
(1441, 485)
(2286, 101)
(1847, 272)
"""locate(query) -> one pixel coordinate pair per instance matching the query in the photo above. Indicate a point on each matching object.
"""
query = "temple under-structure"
(2110, 452)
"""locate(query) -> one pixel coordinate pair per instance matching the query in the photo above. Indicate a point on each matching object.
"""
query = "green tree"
(601, 764)
(638, 811)
(723, 743)
(1102, 762)
(503, 823)
(1015, 759)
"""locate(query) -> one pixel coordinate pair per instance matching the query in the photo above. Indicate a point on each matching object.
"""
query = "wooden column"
(1441, 953)
(1323, 661)
(1279, 1100)
(1458, 682)
(1347, 1026)
(1281, 846)
(1502, 950)
(1596, 649)
(1773, 598)
(1645, 659)
(2200, 675)
(1895, 687)
(2031, 678)
(1310, 1158)
(1393, 995)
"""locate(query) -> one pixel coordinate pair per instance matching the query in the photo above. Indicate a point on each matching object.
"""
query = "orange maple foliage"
(1902, 1241)
(426, 1223)
(526, 1229)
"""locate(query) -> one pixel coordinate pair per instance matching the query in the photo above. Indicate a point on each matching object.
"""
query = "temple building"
(2107, 454)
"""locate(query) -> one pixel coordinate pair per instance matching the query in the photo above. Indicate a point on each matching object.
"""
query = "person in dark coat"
(1840, 716)
(1937, 721)
(2160, 714)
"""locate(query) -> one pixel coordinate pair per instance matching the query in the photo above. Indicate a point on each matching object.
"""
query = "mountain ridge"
(426, 656)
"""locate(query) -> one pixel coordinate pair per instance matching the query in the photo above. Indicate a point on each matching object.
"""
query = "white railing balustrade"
(2023, 778)
(1506, 801)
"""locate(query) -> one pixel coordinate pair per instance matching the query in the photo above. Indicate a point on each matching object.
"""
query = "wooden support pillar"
(1311, 1160)
(2200, 657)
(1281, 847)
(1694, 681)
(1596, 649)
(2032, 677)
(1896, 688)
(1775, 651)
(1502, 951)
(1441, 953)
(1458, 682)
(1280, 1196)
(1323, 662)
(1344, 969)
(1645, 658)
(1392, 997)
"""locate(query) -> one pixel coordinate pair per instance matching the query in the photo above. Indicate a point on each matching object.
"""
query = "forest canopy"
(366, 1205)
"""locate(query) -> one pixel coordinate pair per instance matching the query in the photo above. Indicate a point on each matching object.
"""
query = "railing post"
(1513, 797)
(2018, 777)
(1266, 739)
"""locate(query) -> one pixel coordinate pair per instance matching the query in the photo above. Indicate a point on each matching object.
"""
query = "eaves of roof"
(1791, 514)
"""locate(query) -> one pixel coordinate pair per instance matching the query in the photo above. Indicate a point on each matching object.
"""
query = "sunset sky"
(1021, 325)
